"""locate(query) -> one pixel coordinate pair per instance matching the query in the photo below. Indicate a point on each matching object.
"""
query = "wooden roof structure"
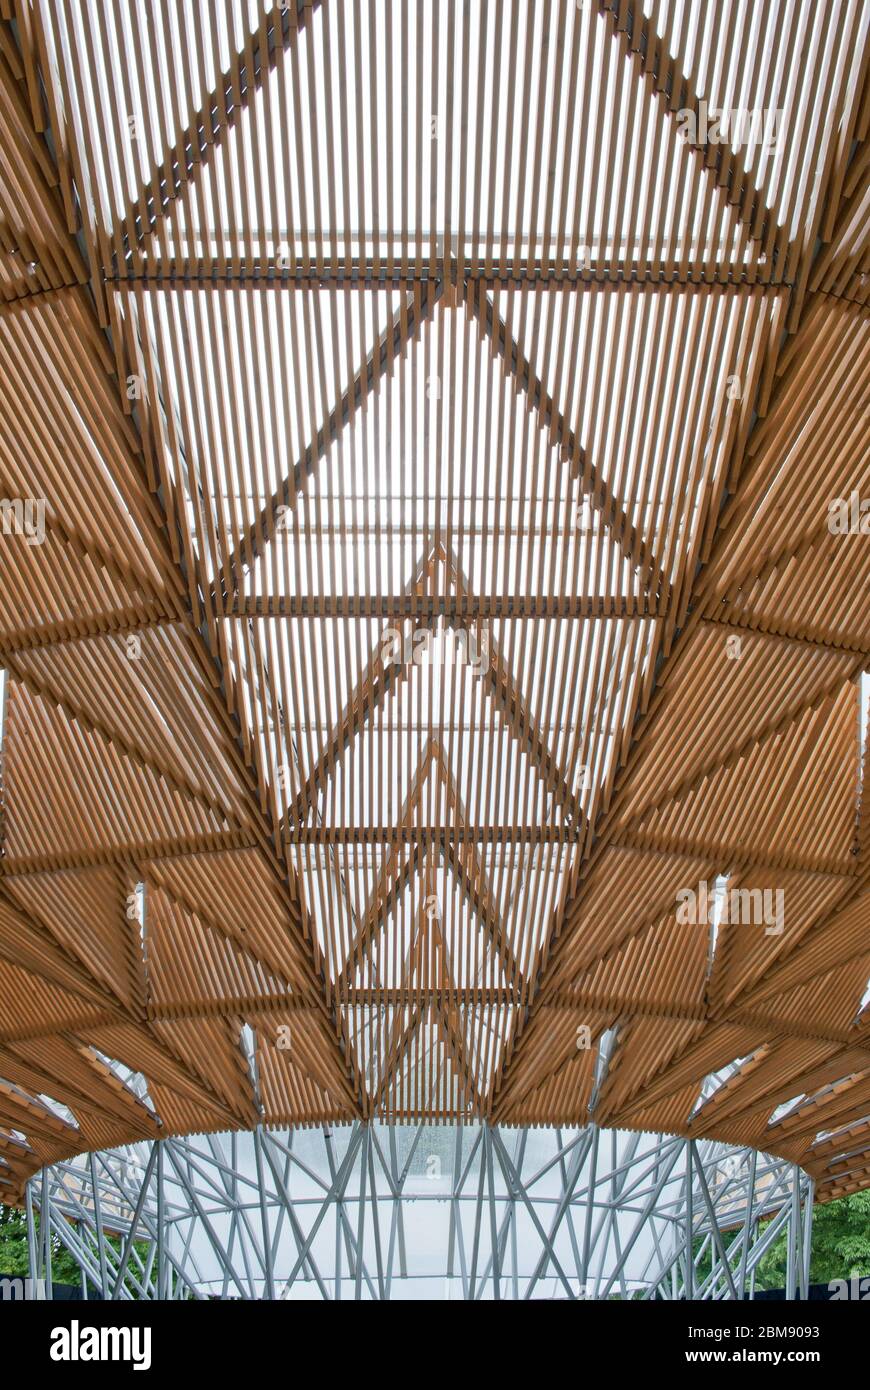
(423, 434)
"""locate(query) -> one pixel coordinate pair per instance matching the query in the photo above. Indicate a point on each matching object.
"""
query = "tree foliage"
(13, 1248)
(64, 1268)
(840, 1249)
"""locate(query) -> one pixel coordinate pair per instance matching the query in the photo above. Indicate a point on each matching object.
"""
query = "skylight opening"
(720, 887)
(57, 1108)
(136, 906)
(715, 1080)
(135, 1081)
(786, 1106)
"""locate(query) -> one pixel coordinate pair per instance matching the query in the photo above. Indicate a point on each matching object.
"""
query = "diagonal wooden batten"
(393, 343)
(220, 113)
(674, 90)
(593, 485)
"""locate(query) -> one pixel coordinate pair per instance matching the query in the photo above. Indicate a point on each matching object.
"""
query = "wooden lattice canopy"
(419, 437)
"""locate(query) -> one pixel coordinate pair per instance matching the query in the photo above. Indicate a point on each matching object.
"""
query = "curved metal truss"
(460, 1212)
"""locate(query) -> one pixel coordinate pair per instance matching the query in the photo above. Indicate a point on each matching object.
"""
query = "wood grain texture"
(422, 573)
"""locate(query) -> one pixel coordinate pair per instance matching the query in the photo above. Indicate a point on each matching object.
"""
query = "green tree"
(13, 1248)
(841, 1239)
(840, 1246)
(64, 1269)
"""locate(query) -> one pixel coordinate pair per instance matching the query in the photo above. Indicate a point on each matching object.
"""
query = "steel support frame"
(379, 1211)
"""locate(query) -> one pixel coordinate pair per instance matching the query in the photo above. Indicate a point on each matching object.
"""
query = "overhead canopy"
(420, 433)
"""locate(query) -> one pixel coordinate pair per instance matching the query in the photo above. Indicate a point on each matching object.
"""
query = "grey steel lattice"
(379, 1212)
